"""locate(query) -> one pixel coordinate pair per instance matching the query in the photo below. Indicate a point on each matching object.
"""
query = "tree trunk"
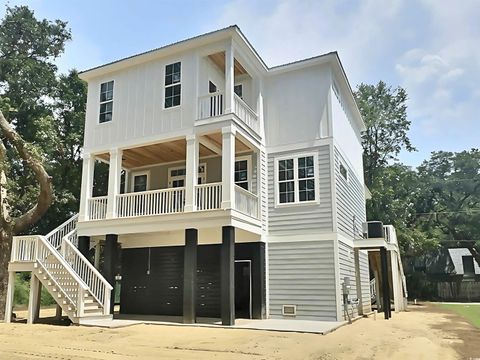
(5, 250)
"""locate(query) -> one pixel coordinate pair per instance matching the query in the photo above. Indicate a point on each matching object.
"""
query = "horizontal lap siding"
(302, 218)
(347, 268)
(302, 273)
(365, 281)
(350, 199)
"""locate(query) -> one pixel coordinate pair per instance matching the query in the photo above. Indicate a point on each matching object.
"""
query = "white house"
(234, 190)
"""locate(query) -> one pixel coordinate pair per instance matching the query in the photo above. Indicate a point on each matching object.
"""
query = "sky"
(429, 47)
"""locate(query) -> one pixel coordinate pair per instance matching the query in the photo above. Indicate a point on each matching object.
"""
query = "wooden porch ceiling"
(219, 60)
(169, 152)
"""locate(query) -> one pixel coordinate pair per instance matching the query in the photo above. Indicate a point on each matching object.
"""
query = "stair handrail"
(52, 251)
(101, 294)
(67, 225)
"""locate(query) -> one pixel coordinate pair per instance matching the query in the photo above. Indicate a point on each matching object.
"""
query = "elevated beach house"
(235, 190)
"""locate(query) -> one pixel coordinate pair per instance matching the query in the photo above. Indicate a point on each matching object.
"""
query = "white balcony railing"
(24, 248)
(246, 202)
(210, 105)
(97, 208)
(245, 113)
(208, 196)
(154, 202)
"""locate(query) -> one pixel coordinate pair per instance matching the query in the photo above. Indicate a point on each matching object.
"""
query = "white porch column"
(33, 299)
(87, 185)
(114, 174)
(228, 167)
(191, 176)
(397, 298)
(10, 292)
(229, 77)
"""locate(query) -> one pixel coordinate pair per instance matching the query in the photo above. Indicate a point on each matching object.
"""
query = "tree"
(384, 111)
(451, 206)
(28, 48)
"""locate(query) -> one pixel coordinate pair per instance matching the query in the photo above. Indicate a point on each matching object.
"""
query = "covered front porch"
(200, 172)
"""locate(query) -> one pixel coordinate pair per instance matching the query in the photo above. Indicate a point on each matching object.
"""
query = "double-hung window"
(296, 179)
(242, 172)
(106, 102)
(173, 85)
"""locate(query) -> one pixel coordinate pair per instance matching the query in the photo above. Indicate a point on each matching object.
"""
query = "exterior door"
(243, 289)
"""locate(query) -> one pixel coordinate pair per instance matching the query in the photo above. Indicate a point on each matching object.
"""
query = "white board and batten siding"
(302, 273)
(302, 219)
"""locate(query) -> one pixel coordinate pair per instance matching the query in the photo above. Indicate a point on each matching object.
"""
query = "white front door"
(176, 176)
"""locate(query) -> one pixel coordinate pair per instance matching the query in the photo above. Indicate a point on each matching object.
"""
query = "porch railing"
(246, 202)
(245, 113)
(97, 208)
(210, 105)
(24, 248)
(208, 196)
(154, 202)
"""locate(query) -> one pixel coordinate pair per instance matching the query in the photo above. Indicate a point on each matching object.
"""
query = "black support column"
(110, 263)
(258, 285)
(190, 276)
(84, 245)
(385, 283)
(227, 270)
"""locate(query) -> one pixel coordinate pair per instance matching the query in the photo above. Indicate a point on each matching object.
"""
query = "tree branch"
(45, 196)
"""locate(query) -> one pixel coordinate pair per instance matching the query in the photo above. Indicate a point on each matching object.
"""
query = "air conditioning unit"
(373, 229)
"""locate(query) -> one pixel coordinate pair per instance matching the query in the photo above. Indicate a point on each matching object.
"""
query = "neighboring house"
(234, 189)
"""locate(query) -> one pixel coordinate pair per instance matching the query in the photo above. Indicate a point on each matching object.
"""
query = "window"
(238, 89)
(212, 87)
(468, 267)
(140, 182)
(241, 173)
(172, 85)
(343, 171)
(296, 180)
(177, 176)
(106, 102)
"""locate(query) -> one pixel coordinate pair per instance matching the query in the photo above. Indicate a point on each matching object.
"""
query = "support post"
(385, 283)
(97, 255)
(114, 175)
(229, 77)
(358, 280)
(191, 176)
(228, 167)
(84, 245)
(33, 299)
(9, 300)
(190, 276)
(87, 185)
(227, 276)
(110, 264)
(38, 302)
(58, 313)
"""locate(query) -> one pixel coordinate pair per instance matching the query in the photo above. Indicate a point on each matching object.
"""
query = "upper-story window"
(173, 85)
(243, 172)
(344, 172)
(238, 89)
(296, 180)
(106, 102)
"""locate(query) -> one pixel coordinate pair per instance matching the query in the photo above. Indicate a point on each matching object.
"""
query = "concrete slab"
(302, 326)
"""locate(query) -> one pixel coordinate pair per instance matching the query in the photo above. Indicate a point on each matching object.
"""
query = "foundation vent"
(289, 310)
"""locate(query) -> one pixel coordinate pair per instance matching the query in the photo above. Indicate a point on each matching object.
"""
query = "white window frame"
(347, 178)
(140, 173)
(171, 85)
(295, 180)
(243, 89)
(172, 178)
(249, 170)
(100, 103)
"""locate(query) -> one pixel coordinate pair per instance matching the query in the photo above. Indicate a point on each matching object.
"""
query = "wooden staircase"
(74, 283)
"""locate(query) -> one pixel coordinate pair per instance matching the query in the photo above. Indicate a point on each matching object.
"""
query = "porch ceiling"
(169, 152)
(219, 60)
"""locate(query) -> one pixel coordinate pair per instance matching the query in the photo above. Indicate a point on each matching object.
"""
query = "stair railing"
(55, 236)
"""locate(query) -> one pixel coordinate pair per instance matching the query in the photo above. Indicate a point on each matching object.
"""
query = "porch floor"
(302, 326)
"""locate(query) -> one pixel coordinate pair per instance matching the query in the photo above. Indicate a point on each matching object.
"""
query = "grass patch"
(470, 312)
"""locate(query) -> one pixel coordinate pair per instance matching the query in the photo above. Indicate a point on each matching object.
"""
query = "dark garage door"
(152, 281)
(208, 281)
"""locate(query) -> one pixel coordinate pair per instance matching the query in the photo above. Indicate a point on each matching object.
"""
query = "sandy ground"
(425, 332)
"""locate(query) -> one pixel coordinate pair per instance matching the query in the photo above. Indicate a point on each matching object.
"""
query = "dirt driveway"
(426, 332)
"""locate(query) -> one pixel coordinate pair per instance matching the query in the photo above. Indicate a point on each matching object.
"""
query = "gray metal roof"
(456, 256)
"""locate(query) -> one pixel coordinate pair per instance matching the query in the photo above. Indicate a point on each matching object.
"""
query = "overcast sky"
(429, 47)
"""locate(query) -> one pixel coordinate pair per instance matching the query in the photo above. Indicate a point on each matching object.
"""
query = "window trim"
(249, 170)
(297, 201)
(100, 103)
(243, 88)
(171, 85)
(347, 178)
(170, 178)
(140, 173)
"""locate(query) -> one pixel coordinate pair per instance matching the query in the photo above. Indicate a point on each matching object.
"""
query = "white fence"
(208, 196)
(154, 202)
(97, 208)
(246, 202)
(210, 105)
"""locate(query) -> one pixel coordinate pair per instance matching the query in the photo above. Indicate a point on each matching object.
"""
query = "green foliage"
(22, 288)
